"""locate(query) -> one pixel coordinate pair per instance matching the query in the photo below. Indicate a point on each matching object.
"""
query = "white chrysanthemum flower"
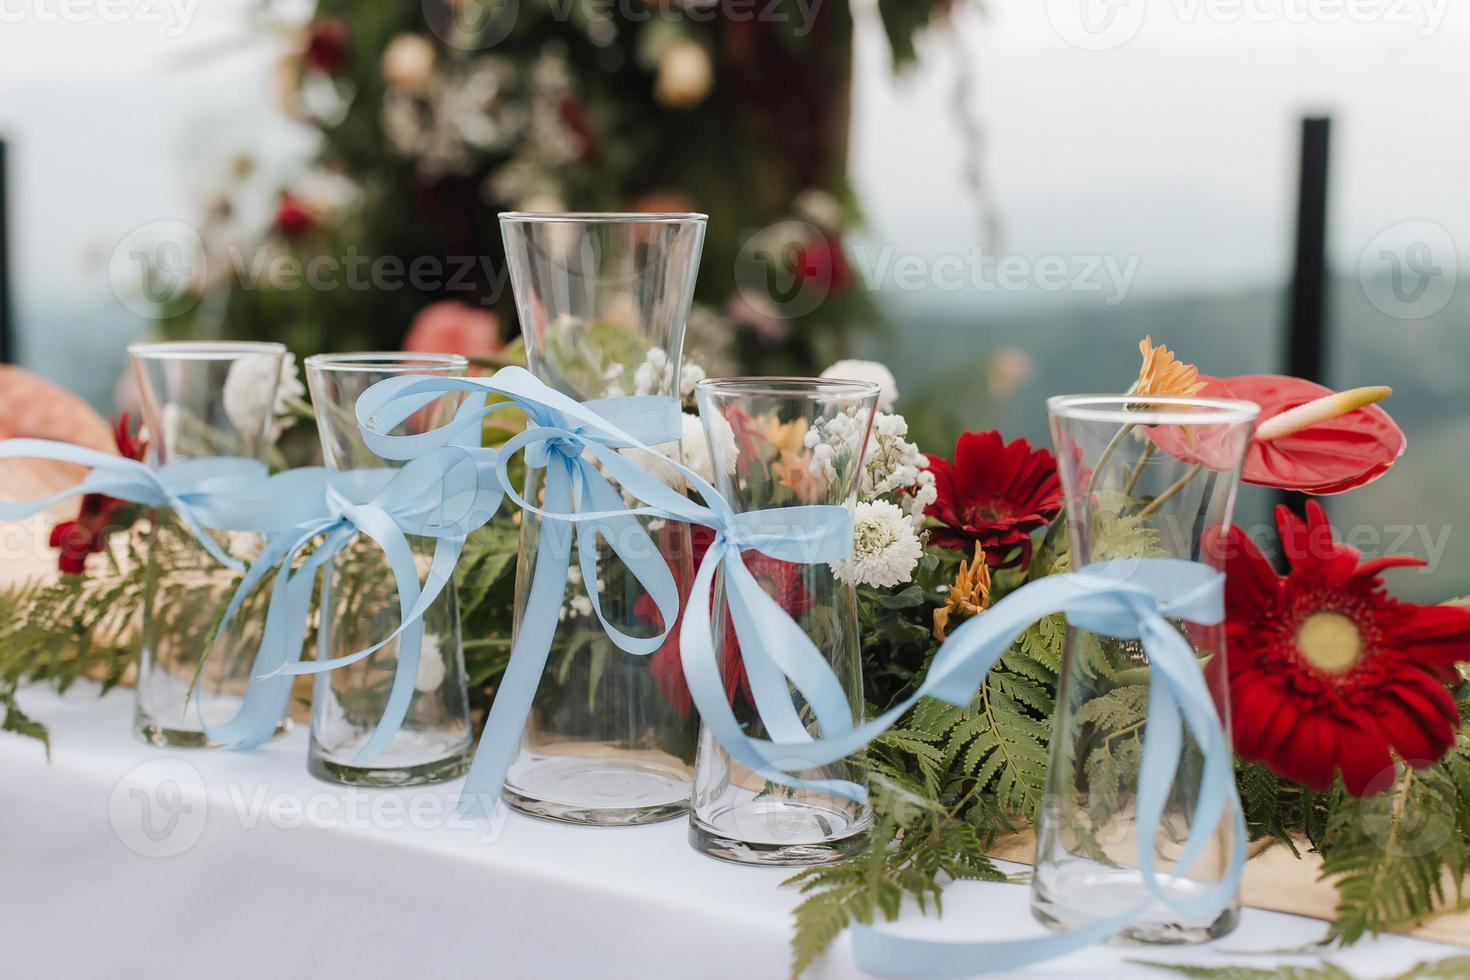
(885, 547)
(431, 666)
(248, 388)
(855, 370)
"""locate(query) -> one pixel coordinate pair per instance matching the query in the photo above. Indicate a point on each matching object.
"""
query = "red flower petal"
(994, 493)
(1329, 457)
(1307, 721)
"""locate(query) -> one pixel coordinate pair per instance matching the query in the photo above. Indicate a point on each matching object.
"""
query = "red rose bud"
(326, 46)
(292, 218)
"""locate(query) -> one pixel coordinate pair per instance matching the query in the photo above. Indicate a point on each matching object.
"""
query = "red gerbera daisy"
(1327, 671)
(994, 493)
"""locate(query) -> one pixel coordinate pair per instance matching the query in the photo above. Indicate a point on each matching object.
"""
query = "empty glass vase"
(200, 401)
(777, 443)
(1144, 477)
(603, 301)
(360, 602)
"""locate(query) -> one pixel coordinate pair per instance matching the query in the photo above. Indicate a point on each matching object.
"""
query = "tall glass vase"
(1144, 477)
(774, 443)
(360, 602)
(200, 401)
(604, 300)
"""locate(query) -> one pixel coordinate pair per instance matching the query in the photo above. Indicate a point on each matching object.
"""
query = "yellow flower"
(785, 436)
(794, 470)
(969, 595)
(1164, 374)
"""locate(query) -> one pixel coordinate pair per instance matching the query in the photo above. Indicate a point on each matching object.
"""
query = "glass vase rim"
(1155, 410)
(202, 350)
(789, 386)
(388, 362)
(604, 217)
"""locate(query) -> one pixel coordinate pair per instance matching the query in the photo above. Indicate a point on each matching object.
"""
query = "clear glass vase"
(360, 601)
(768, 441)
(603, 301)
(1144, 477)
(199, 401)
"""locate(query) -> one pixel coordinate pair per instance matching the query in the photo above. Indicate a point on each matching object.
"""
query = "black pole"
(7, 332)
(1306, 339)
(1306, 354)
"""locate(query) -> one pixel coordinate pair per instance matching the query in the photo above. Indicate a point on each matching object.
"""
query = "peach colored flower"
(452, 327)
(1164, 374)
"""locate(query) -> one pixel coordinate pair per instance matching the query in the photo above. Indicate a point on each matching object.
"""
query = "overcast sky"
(1173, 146)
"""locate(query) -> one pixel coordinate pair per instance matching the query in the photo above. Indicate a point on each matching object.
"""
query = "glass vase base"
(598, 792)
(186, 738)
(1097, 887)
(780, 834)
(387, 777)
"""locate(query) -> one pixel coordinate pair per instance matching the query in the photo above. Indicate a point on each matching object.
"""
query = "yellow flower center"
(1330, 642)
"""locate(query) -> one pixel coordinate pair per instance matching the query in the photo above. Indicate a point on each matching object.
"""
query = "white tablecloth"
(119, 860)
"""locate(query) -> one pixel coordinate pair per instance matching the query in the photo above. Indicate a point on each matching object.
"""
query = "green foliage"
(918, 844)
(59, 632)
(1390, 855)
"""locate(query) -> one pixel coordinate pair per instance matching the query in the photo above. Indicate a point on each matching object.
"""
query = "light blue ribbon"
(574, 444)
(196, 490)
(442, 496)
(1125, 599)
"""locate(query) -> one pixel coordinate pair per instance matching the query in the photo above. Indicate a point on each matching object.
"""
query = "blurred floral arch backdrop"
(433, 117)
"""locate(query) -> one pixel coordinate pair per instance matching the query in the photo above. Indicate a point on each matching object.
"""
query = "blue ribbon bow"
(1124, 599)
(197, 490)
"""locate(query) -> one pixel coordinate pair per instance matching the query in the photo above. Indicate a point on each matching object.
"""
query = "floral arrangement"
(431, 118)
(1349, 706)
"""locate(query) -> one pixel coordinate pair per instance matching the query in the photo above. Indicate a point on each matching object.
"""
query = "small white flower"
(652, 375)
(431, 666)
(885, 548)
(248, 388)
(612, 381)
(854, 370)
(689, 376)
